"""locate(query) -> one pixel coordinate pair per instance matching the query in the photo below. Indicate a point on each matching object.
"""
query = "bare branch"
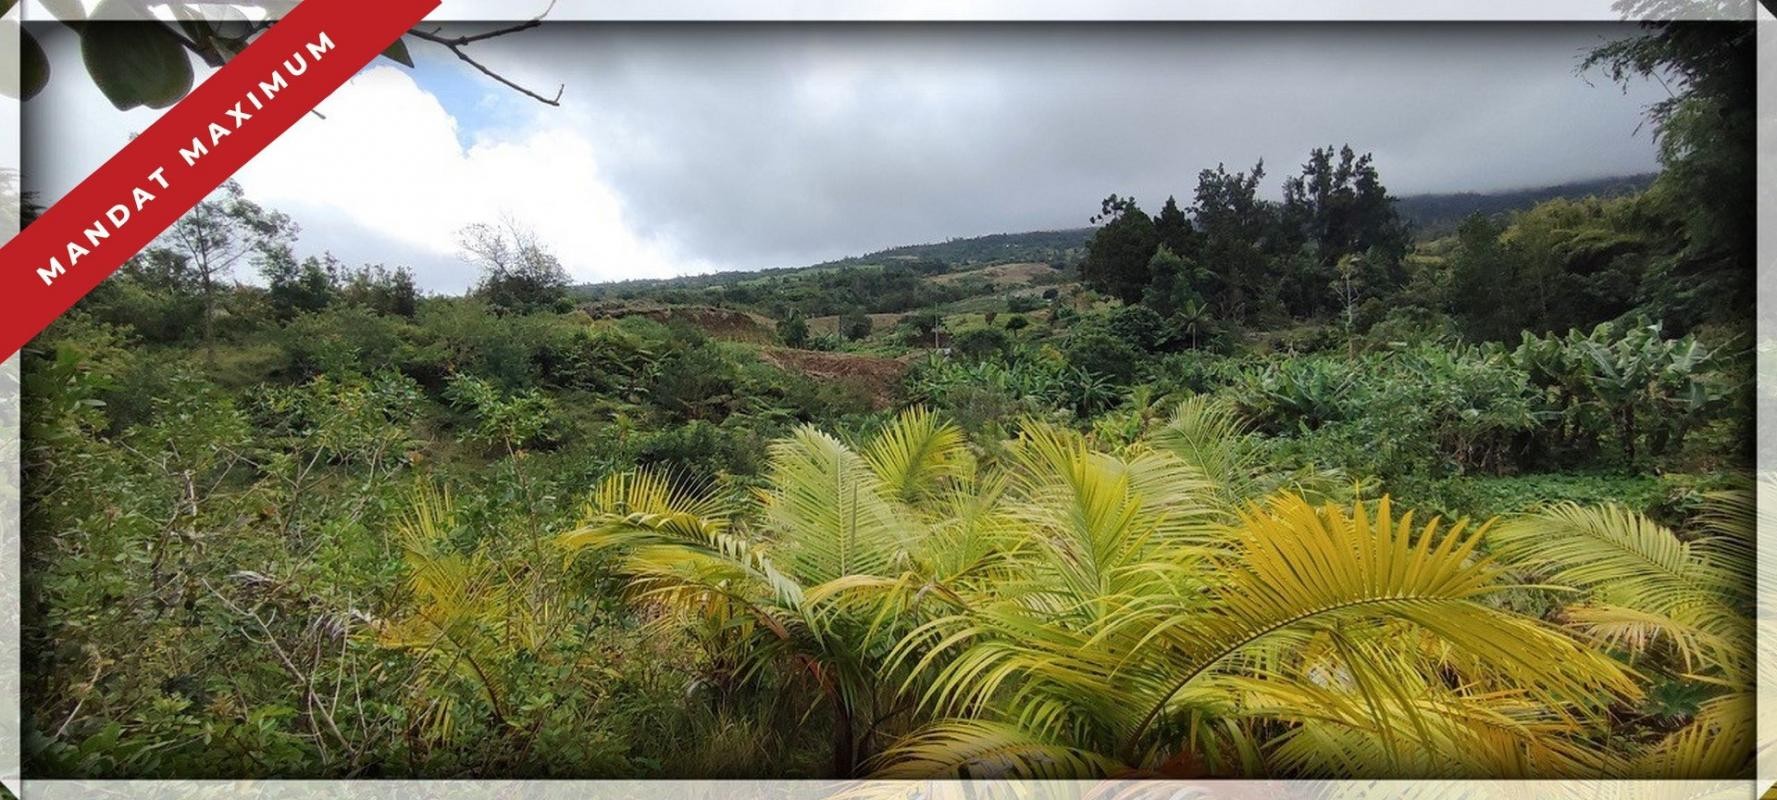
(455, 44)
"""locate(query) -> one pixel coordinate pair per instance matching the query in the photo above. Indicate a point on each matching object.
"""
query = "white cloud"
(385, 156)
(383, 175)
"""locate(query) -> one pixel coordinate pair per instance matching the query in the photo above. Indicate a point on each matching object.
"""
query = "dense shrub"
(854, 325)
(696, 382)
(981, 344)
(1140, 326)
(1096, 350)
(918, 329)
(508, 420)
(346, 339)
(701, 451)
(792, 330)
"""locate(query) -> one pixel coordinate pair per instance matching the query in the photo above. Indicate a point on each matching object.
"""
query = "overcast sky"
(684, 148)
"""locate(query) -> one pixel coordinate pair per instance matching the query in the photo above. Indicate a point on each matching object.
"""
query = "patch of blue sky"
(477, 103)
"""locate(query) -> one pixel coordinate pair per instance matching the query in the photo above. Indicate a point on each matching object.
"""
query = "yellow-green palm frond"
(1640, 581)
(450, 589)
(1379, 707)
(829, 513)
(1730, 522)
(1719, 742)
(1636, 630)
(1605, 547)
(1303, 570)
(628, 503)
(970, 532)
(677, 543)
(1209, 435)
(465, 619)
(914, 453)
(976, 749)
(1110, 666)
(1094, 520)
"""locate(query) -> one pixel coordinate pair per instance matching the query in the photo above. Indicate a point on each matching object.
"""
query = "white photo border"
(956, 11)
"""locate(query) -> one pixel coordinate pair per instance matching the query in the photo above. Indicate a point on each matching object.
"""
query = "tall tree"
(1236, 226)
(1706, 134)
(295, 287)
(1339, 207)
(1176, 282)
(1117, 258)
(216, 234)
(1175, 230)
(382, 289)
(518, 273)
(1488, 289)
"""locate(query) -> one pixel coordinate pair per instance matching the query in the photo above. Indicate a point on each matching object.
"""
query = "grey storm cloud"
(761, 145)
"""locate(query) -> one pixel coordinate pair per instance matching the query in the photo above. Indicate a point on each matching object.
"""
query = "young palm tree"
(844, 539)
(1132, 630)
(1679, 606)
(466, 625)
(1071, 612)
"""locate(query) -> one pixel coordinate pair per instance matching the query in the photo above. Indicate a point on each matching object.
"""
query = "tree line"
(1336, 245)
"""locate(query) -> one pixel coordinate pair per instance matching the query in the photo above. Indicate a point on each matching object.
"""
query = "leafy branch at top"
(137, 60)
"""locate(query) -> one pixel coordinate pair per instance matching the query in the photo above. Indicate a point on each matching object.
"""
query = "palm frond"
(830, 511)
(1719, 742)
(1109, 665)
(1663, 586)
(914, 452)
(1210, 436)
(972, 749)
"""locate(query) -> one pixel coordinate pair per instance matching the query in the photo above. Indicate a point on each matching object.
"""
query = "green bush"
(981, 344)
(1140, 326)
(508, 420)
(792, 330)
(1097, 351)
(701, 451)
(919, 328)
(854, 325)
(696, 382)
(345, 339)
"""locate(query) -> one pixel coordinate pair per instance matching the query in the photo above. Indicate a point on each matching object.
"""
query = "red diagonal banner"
(195, 146)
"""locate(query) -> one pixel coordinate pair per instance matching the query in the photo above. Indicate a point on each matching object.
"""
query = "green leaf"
(397, 53)
(33, 65)
(136, 63)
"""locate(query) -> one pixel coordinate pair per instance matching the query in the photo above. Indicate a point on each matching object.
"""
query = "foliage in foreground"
(1066, 611)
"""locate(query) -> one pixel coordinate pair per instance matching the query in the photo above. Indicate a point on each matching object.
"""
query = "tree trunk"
(844, 754)
(209, 319)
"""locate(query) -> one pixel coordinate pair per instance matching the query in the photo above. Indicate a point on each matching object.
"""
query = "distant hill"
(997, 247)
(1430, 215)
(936, 257)
(1436, 214)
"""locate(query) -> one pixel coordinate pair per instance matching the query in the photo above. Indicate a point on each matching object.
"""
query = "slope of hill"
(1436, 214)
(937, 257)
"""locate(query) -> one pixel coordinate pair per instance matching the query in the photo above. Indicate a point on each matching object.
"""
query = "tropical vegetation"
(1242, 487)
